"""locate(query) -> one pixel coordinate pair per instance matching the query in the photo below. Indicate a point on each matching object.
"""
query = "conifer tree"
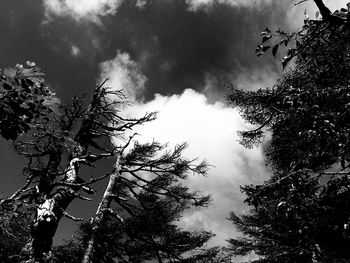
(150, 234)
(301, 214)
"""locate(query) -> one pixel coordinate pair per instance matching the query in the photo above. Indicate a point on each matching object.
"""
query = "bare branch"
(72, 217)
(21, 190)
(302, 1)
(127, 143)
(91, 181)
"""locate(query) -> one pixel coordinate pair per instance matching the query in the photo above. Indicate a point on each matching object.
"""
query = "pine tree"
(150, 234)
(301, 214)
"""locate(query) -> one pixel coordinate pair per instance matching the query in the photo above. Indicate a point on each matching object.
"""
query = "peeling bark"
(97, 123)
(46, 223)
(48, 216)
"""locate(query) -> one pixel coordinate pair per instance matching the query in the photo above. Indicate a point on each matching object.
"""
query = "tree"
(14, 230)
(295, 220)
(24, 98)
(76, 135)
(302, 211)
(165, 172)
(150, 234)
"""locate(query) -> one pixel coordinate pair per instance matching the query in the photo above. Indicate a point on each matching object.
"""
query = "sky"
(177, 57)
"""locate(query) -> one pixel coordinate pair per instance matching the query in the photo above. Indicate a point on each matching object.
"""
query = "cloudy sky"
(176, 57)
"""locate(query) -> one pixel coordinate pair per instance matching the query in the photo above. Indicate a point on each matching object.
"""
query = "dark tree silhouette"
(15, 220)
(24, 99)
(149, 234)
(301, 214)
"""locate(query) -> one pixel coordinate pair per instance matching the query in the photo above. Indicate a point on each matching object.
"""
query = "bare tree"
(78, 135)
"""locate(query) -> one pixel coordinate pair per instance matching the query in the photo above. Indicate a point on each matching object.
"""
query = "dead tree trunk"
(79, 130)
(100, 214)
(49, 214)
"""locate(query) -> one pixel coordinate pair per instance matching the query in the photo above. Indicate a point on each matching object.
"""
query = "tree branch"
(72, 217)
(23, 189)
(325, 12)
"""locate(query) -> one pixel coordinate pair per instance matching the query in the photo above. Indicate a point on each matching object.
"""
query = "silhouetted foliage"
(150, 234)
(24, 99)
(15, 220)
(301, 214)
(295, 220)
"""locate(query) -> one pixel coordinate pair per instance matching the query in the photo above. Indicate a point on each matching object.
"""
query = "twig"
(72, 217)
(23, 189)
(300, 2)
(91, 181)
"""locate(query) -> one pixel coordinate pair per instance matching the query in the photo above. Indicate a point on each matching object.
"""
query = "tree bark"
(48, 215)
(100, 214)
(325, 12)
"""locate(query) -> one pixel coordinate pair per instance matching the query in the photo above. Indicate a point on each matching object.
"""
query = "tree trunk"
(48, 215)
(325, 12)
(99, 216)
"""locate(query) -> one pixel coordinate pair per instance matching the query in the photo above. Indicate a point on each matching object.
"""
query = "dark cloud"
(176, 47)
(25, 37)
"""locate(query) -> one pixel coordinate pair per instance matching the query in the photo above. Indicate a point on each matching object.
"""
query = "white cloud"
(196, 5)
(247, 80)
(210, 130)
(252, 80)
(124, 74)
(334, 5)
(210, 88)
(81, 9)
(295, 15)
(141, 3)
